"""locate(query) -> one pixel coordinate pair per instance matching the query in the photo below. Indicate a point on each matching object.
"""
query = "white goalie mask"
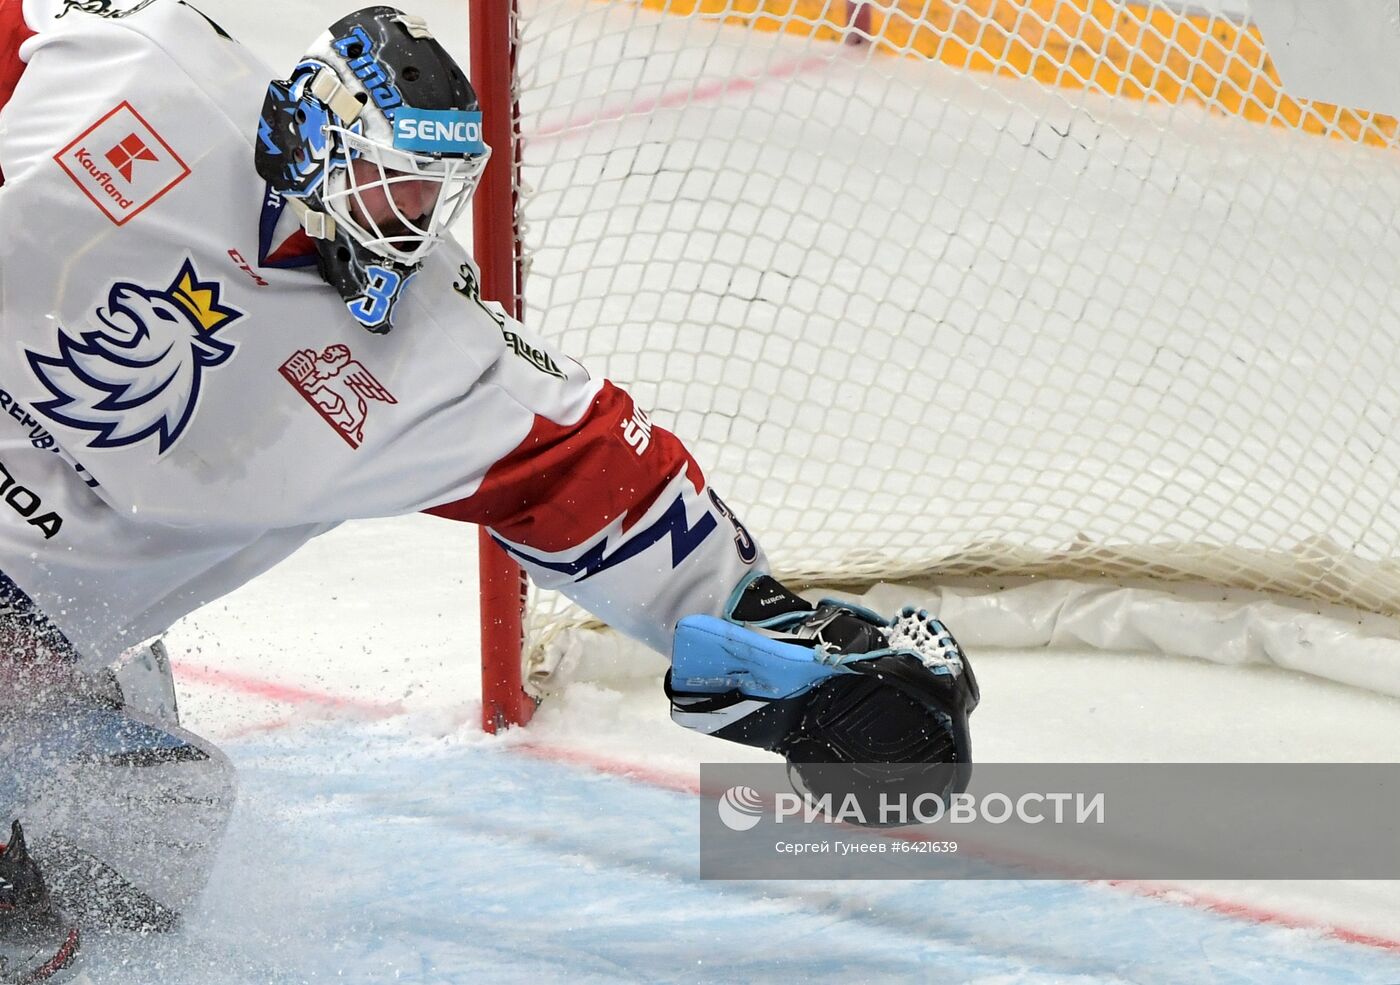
(376, 142)
(395, 204)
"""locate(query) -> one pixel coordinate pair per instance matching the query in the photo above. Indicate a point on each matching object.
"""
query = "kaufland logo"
(121, 164)
(124, 156)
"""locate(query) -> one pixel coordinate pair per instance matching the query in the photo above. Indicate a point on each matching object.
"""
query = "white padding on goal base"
(1219, 625)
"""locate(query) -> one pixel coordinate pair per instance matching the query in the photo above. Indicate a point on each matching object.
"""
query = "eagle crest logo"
(139, 375)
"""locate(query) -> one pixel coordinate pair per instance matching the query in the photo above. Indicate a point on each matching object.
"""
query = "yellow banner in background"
(1133, 51)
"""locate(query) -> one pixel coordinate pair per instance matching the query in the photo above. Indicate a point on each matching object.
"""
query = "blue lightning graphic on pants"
(673, 524)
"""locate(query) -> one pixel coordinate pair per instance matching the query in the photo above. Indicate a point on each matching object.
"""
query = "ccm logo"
(636, 430)
(246, 267)
(440, 131)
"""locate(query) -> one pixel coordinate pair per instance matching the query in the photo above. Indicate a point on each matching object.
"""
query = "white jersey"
(184, 402)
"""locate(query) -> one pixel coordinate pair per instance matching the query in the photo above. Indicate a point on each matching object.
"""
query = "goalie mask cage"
(962, 291)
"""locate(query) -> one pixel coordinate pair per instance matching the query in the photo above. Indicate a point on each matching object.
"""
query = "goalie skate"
(37, 944)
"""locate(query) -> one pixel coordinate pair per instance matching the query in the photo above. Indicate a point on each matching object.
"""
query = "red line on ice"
(271, 725)
(686, 784)
(1255, 914)
(702, 93)
(681, 783)
(665, 779)
(283, 693)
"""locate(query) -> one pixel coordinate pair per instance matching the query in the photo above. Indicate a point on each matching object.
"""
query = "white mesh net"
(913, 629)
(1032, 287)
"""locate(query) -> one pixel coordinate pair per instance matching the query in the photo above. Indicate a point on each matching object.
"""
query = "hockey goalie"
(235, 318)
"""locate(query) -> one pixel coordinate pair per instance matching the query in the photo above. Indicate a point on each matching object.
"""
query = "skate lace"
(914, 629)
(813, 629)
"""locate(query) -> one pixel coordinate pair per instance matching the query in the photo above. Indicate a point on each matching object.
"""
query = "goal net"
(983, 293)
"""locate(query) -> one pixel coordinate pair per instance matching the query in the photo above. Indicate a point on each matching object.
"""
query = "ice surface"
(378, 854)
(390, 841)
(380, 837)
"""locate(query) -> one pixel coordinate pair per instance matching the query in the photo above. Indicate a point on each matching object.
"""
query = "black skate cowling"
(36, 942)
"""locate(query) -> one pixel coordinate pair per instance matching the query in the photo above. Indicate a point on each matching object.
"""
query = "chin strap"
(340, 101)
(318, 225)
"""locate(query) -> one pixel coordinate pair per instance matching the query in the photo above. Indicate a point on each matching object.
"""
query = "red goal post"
(497, 249)
(1015, 295)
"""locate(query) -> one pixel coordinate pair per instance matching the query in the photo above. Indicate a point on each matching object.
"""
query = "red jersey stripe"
(13, 33)
(566, 482)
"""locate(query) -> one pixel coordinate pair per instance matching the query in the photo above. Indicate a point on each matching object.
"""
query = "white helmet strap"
(327, 88)
(318, 225)
(416, 26)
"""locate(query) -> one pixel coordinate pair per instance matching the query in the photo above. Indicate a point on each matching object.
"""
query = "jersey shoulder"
(88, 57)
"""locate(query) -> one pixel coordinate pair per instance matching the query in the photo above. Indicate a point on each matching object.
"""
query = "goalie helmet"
(375, 141)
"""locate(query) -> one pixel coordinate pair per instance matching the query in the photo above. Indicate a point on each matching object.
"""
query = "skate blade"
(44, 951)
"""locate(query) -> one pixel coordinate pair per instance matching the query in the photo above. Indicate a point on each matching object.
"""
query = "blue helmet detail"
(358, 50)
(294, 135)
